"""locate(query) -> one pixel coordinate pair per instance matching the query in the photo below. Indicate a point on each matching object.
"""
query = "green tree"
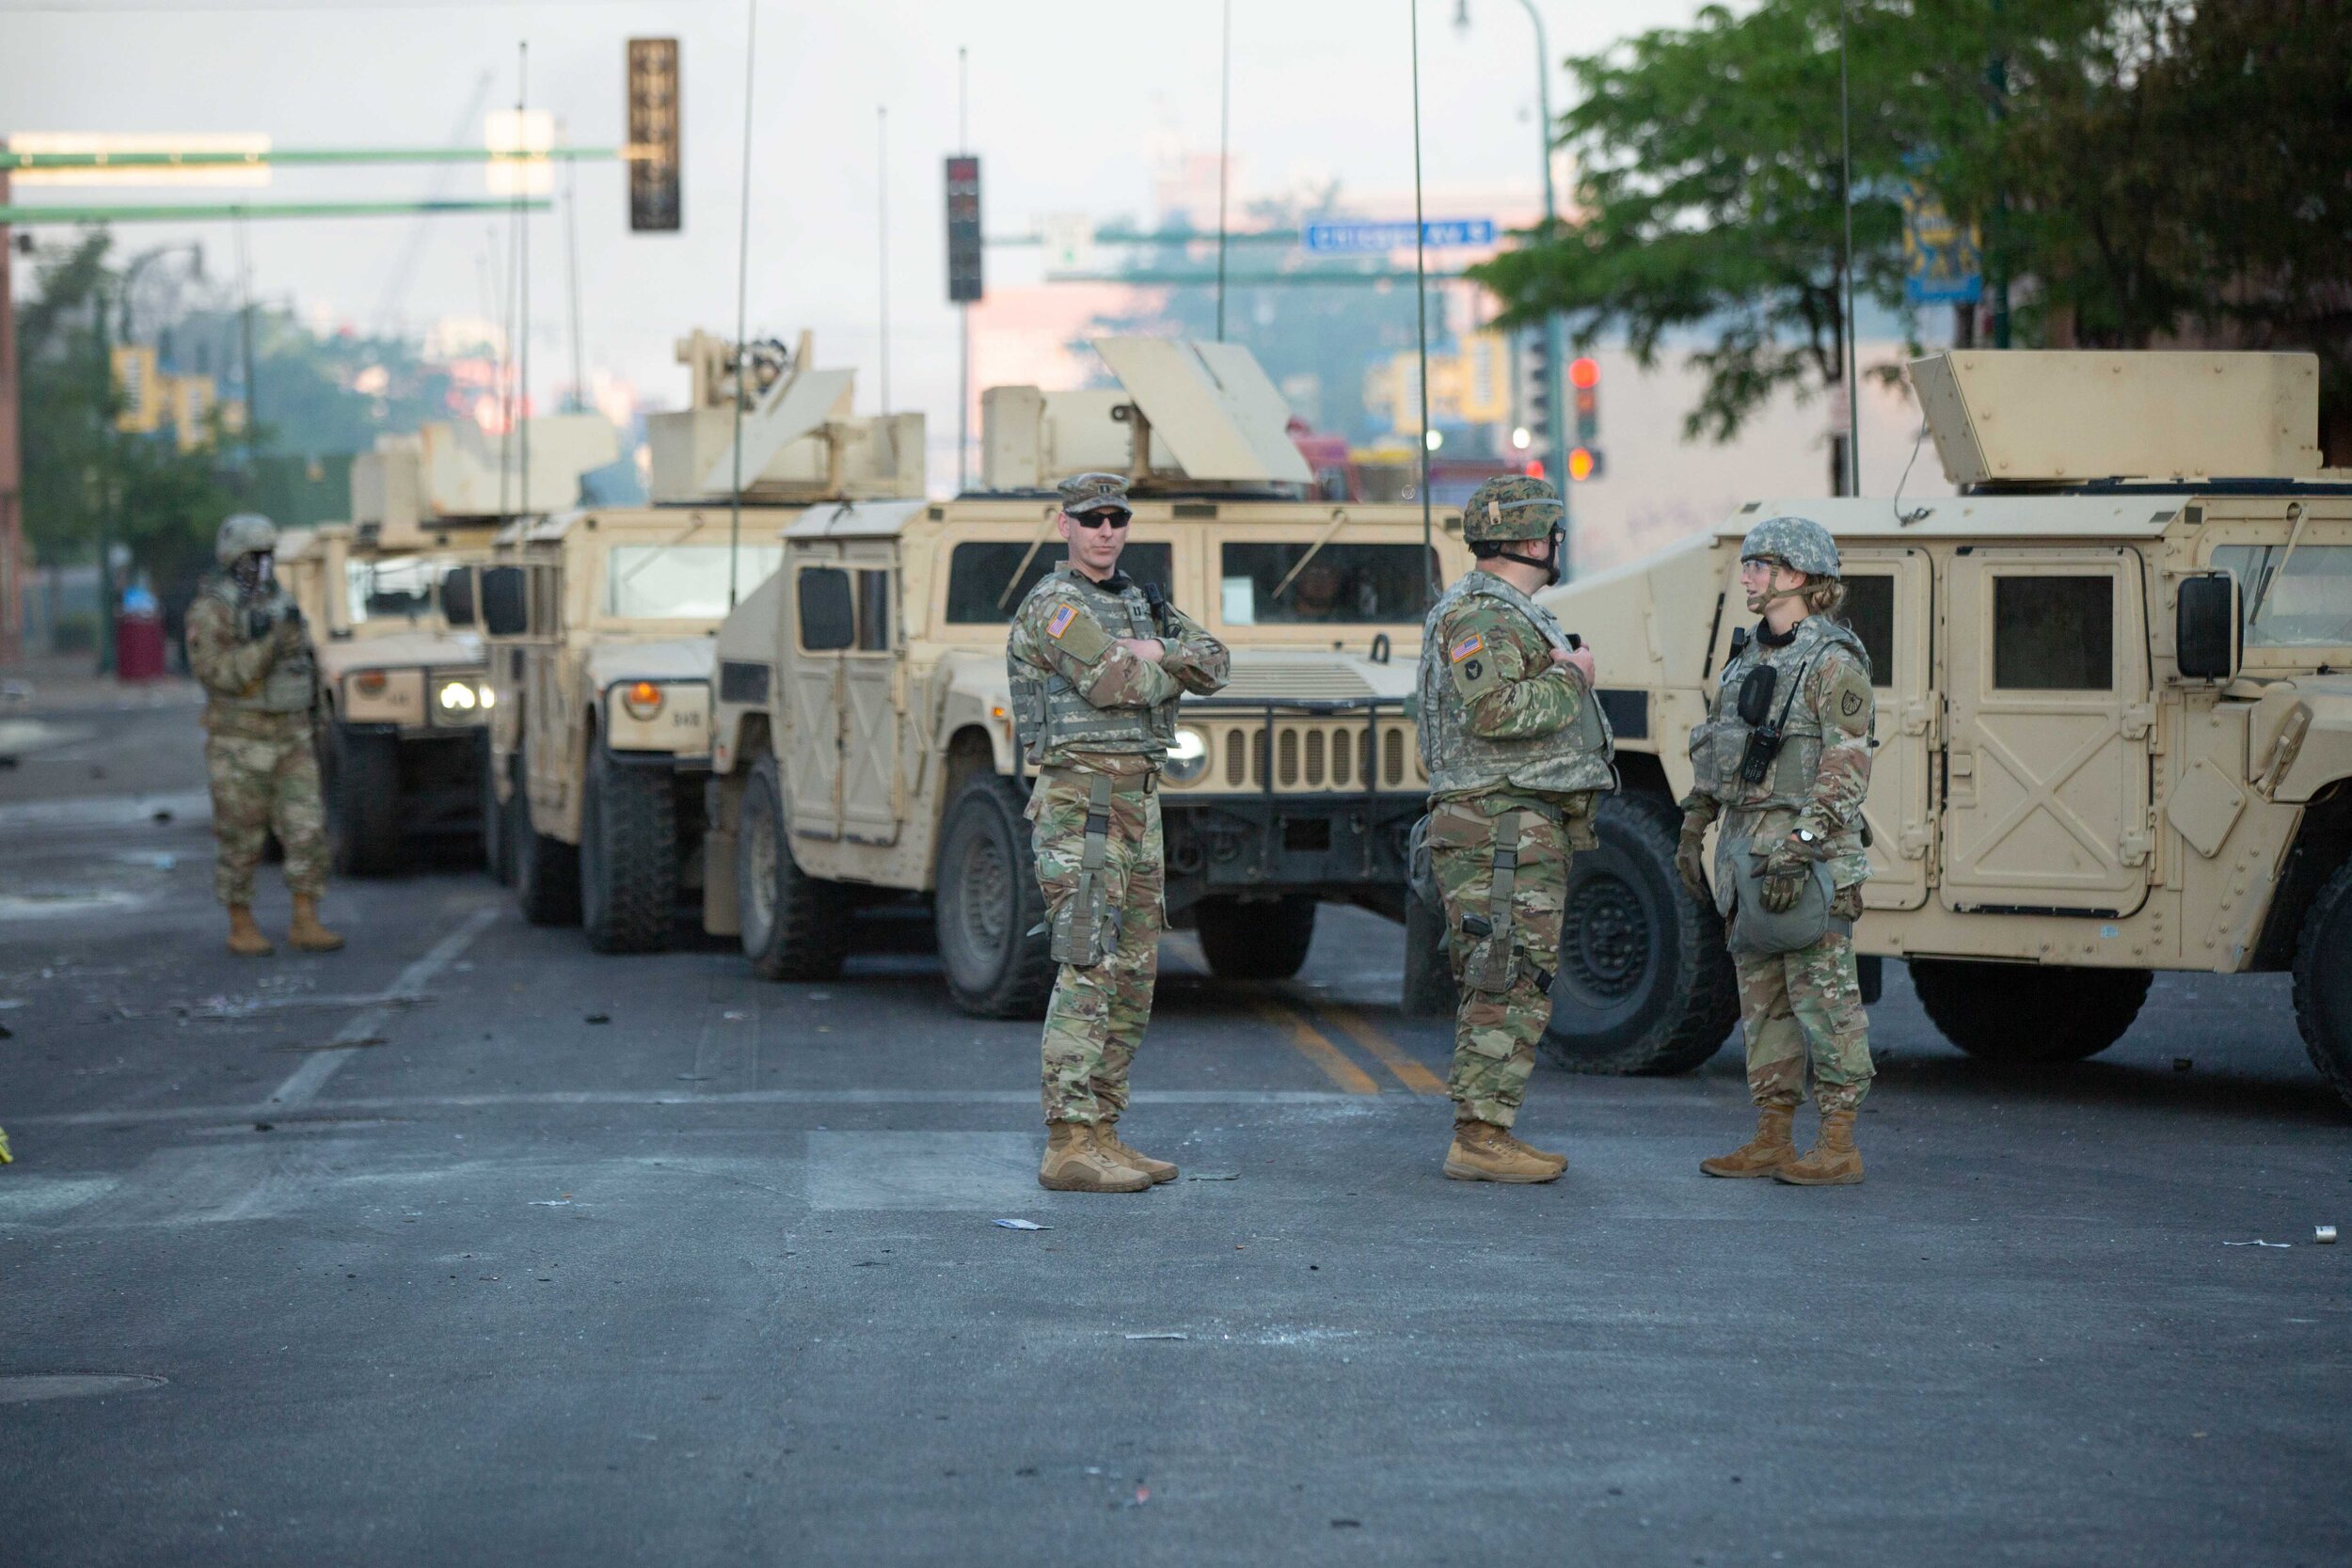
(2142, 172)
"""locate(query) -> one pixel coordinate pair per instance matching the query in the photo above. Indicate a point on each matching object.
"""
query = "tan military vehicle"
(403, 689)
(601, 622)
(2114, 717)
(864, 742)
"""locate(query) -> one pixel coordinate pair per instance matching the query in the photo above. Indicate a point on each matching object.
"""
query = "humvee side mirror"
(827, 619)
(2205, 632)
(457, 597)
(505, 606)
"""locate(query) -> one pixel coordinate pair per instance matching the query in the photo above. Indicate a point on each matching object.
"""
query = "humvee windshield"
(977, 574)
(402, 590)
(2308, 605)
(1339, 584)
(683, 582)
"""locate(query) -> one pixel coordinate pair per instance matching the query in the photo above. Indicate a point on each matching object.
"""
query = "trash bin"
(139, 642)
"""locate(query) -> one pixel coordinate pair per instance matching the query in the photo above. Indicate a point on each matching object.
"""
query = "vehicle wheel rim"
(1605, 939)
(759, 851)
(983, 886)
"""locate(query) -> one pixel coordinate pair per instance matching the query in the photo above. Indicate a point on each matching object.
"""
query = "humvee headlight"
(486, 696)
(642, 699)
(370, 682)
(1188, 756)
(458, 697)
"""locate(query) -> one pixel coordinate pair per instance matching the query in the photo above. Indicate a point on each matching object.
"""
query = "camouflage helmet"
(1799, 543)
(247, 533)
(1513, 507)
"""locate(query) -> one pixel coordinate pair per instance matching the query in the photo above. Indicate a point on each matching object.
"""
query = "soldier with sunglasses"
(1097, 664)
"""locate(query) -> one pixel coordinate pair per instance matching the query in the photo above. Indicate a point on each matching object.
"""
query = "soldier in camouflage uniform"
(1098, 663)
(1518, 753)
(1790, 861)
(249, 648)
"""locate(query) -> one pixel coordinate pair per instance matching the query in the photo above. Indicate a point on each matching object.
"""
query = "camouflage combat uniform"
(1806, 1004)
(1516, 752)
(258, 753)
(1096, 721)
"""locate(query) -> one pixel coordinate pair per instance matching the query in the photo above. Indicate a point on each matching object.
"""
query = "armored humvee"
(404, 691)
(601, 622)
(864, 742)
(2114, 717)
(402, 687)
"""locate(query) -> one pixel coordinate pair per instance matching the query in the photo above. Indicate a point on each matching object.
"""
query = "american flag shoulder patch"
(1059, 621)
(1473, 643)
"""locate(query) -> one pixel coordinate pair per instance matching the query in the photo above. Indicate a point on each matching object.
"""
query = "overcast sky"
(1070, 104)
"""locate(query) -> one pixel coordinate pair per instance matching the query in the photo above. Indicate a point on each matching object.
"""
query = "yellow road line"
(1312, 1045)
(1410, 1073)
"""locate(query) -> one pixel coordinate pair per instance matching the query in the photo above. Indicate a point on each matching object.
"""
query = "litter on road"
(1022, 1225)
(2323, 1235)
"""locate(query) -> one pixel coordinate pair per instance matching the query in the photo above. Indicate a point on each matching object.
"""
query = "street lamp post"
(1555, 332)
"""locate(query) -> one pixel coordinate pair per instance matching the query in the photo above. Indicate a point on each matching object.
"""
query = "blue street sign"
(1943, 263)
(1329, 239)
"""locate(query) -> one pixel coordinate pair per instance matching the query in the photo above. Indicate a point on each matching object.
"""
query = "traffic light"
(964, 230)
(1537, 388)
(1583, 463)
(1584, 376)
(653, 135)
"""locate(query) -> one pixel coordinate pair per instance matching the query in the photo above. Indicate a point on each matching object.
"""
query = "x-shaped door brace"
(2042, 794)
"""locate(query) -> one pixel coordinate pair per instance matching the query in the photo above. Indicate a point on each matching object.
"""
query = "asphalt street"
(469, 1245)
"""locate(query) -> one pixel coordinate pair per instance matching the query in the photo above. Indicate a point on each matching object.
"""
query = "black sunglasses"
(1100, 519)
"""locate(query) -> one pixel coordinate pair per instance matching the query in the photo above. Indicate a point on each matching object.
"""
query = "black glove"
(294, 616)
(257, 622)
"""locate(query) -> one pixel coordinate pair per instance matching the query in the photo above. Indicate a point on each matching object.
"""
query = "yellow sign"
(140, 386)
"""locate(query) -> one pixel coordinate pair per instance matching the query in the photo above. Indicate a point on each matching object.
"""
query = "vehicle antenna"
(742, 286)
(1224, 160)
(1420, 306)
(1852, 476)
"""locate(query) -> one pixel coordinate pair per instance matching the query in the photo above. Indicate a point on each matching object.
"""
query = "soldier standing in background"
(1518, 754)
(1098, 663)
(1785, 760)
(247, 646)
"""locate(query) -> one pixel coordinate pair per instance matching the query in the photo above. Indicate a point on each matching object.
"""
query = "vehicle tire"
(362, 803)
(794, 926)
(2027, 1014)
(1645, 984)
(629, 860)
(497, 839)
(1429, 991)
(1256, 941)
(2323, 981)
(989, 906)
(546, 870)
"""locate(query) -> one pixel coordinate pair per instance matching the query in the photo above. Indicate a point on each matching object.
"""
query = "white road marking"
(395, 1106)
(302, 1086)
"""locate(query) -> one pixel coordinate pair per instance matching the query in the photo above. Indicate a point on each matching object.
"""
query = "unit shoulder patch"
(1075, 633)
(1847, 703)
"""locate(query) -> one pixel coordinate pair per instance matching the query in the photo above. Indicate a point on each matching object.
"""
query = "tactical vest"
(1055, 722)
(1718, 745)
(1564, 762)
(291, 685)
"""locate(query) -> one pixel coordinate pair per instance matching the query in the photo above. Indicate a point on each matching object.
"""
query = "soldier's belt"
(1118, 783)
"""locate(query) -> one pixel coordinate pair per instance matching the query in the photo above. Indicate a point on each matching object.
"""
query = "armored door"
(2045, 671)
(1890, 605)
(872, 698)
(823, 625)
(547, 732)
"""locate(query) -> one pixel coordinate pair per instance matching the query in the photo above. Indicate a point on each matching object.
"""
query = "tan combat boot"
(306, 935)
(1073, 1163)
(1831, 1162)
(1106, 1139)
(244, 938)
(1484, 1152)
(1557, 1162)
(1763, 1154)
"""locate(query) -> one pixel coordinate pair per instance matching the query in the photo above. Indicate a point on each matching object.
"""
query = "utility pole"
(1224, 160)
(881, 217)
(523, 219)
(11, 461)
